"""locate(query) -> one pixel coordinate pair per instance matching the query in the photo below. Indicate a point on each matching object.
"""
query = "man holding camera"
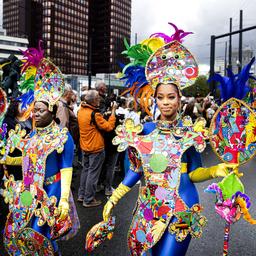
(91, 125)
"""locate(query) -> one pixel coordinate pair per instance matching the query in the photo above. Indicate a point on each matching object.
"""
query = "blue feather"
(234, 85)
(134, 74)
(26, 99)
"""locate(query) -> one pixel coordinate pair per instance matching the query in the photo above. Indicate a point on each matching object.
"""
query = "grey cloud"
(211, 17)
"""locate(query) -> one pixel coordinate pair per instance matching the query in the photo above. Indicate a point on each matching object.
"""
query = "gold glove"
(203, 174)
(12, 160)
(66, 178)
(118, 193)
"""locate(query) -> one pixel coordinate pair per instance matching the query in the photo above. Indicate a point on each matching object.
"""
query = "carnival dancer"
(166, 151)
(39, 204)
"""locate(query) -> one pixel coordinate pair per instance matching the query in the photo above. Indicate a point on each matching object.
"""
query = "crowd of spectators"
(199, 107)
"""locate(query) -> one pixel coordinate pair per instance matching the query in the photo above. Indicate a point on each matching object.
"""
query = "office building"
(109, 24)
(66, 27)
(62, 25)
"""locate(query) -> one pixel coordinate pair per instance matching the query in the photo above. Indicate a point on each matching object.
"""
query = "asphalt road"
(242, 238)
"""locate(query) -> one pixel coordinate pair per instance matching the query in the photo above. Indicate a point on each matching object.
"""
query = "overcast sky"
(203, 17)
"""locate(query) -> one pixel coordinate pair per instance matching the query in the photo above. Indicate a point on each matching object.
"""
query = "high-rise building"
(109, 24)
(2, 31)
(65, 29)
(62, 25)
(17, 17)
(10, 45)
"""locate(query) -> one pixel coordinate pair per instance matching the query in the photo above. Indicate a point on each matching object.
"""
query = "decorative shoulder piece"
(196, 132)
(14, 140)
(126, 134)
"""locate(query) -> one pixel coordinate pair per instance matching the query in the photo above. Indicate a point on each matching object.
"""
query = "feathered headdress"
(41, 79)
(158, 59)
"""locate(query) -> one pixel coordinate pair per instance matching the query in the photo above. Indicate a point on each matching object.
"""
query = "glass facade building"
(61, 24)
(109, 24)
(66, 28)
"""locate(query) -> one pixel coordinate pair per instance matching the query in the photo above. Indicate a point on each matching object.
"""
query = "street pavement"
(242, 237)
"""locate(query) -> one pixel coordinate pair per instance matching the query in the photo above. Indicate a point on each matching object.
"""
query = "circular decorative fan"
(233, 132)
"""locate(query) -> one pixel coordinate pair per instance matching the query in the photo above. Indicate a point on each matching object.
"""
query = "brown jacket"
(91, 139)
(63, 113)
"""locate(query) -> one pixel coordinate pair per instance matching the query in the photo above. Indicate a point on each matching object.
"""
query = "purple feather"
(178, 35)
(4, 131)
(244, 196)
(33, 56)
(214, 188)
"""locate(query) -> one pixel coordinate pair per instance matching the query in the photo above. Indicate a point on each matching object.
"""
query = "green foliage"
(199, 88)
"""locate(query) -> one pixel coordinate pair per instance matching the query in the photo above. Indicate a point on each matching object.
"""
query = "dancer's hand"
(66, 177)
(63, 208)
(107, 210)
(117, 194)
(221, 170)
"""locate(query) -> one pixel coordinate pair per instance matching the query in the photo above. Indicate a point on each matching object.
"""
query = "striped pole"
(226, 239)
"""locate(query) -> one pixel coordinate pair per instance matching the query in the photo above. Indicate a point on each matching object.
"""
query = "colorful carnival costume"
(167, 213)
(39, 204)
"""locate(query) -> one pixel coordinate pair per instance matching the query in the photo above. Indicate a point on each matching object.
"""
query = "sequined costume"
(169, 196)
(41, 207)
(34, 199)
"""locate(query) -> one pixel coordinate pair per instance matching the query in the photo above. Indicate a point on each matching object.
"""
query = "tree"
(200, 88)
